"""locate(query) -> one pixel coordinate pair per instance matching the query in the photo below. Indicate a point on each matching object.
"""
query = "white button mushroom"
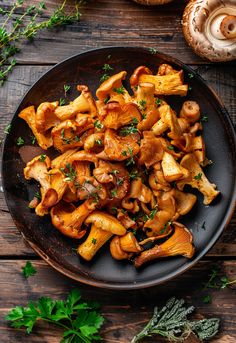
(209, 28)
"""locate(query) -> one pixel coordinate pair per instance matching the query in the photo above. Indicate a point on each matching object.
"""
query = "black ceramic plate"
(56, 249)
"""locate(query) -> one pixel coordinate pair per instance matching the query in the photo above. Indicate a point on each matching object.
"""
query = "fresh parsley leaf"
(106, 100)
(7, 129)
(62, 101)
(94, 241)
(120, 90)
(114, 210)
(130, 161)
(115, 171)
(152, 213)
(152, 51)
(133, 175)
(204, 119)
(80, 320)
(158, 101)
(28, 270)
(33, 139)
(128, 130)
(104, 77)
(98, 142)
(124, 153)
(42, 158)
(66, 89)
(120, 181)
(113, 193)
(142, 104)
(170, 147)
(37, 195)
(20, 141)
(98, 124)
(207, 299)
(144, 116)
(198, 176)
(106, 67)
(190, 75)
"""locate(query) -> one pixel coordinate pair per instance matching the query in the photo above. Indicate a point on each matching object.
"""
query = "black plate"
(103, 271)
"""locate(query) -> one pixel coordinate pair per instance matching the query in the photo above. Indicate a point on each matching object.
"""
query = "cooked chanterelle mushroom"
(152, 2)
(210, 28)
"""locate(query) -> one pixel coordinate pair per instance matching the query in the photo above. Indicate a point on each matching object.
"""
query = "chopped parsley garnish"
(130, 161)
(20, 141)
(62, 101)
(106, 67)
(158, 101)
(104, 77)
(33, 139)
(152, 213)
(125, 131)
(98, 124)
(142, 104)
(106, 100)
(115, 171)
(28, 270)
(98, 142)
(189, 88)
(170, 147)
(207, 299)
(37, 195)
(94, 241)
(144, 116)
(120, 181)
(69, 172)
(166, 227)
(190, 75)
(133, 174)
(42, 157)
(204, 119)
(124, 153)
(114, 210)
(152, 51)
(66, 89)
(113, 193)
(7, 129)
(198, 176)
(120, 90)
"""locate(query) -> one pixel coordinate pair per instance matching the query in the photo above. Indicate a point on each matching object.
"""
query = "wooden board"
(126, 312)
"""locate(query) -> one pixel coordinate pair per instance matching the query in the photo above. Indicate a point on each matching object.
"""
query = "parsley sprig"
(28, 270)
(79, 320)
(15, 30)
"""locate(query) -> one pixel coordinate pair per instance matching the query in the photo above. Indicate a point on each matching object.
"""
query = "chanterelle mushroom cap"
(207, 26)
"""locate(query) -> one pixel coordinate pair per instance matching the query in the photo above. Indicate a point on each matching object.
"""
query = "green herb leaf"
(28, 270)
(190, 75)
(170, 147)
(207, 299)
(42, 158)
(104, 77)
(80, 320)
(7, 129)
(94, 241)
(33, 139)
(66, 89)
(152, 51)
(158, 101)
(120, 90)
(106, 67)
(98, 124)
(204, 119)
(198, 176)
(172, 323)
(62, 101)
(37, 195)
(20, 141)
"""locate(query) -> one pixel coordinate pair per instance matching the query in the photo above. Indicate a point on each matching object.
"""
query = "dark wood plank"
(107, 23)
(126, 311)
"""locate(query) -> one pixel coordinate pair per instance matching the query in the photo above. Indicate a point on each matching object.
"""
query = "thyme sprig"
(172, 323)
(14, 31)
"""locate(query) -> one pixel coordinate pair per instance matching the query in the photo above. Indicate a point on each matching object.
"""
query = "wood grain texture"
(124, 318)
(107, 23)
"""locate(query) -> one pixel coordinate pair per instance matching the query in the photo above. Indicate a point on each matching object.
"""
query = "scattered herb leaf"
(198, 176)
(207, 299)
(204, 119)
(28, 270)
(42, 157)
(20, 141)
(106, 67)
(120, 90)
(7, 129)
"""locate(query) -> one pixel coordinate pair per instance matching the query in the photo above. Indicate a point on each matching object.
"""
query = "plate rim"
(180, 270)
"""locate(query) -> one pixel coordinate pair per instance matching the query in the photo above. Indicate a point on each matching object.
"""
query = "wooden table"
(106, 23)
